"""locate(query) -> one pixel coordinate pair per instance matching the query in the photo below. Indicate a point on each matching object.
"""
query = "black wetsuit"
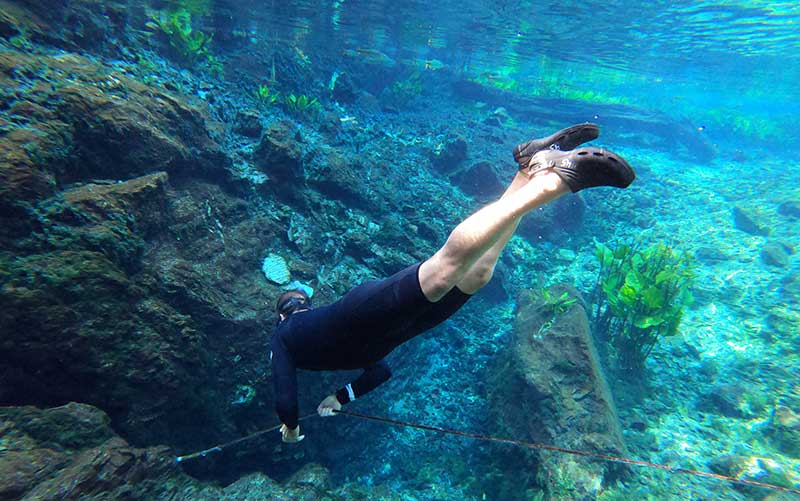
(355, 332)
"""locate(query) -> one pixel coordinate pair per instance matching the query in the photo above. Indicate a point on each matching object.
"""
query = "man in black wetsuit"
(372, 319)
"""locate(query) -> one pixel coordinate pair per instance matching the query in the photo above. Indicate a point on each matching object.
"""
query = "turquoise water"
(170, 167)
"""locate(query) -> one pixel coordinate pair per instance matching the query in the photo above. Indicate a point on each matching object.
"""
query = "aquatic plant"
(190, 45)
(265, 96)
(557, 305)
(301, 103)
(639, 298)
(553, 305)
(214, 66)
(404, 91)
(20, 42)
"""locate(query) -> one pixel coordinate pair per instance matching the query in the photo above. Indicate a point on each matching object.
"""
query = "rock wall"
(550, 388)
(70, 453)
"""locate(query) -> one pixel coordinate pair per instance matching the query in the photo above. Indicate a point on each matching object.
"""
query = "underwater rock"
(550, 388)
(784, 321)
(248, 123)
(311, 483)
(655, 130)
(749, 222)
(751, 468)
(113, 219)
(338, 176)
(775, 254)
(344, 90)
(478, 180)
(22, 181)
(449, 155)
(89, 122)
(790, 209)
(711, 255)
(279, 153)
(70, 452)
(727, 399)
(784, 430)
(88, 24)
(790, 288)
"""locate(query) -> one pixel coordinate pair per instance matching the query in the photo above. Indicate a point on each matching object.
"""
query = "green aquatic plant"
(214, 66)
(557, 305)
(266, 96)
(551, 305)
(301, 103)
(639, 298)
(20, 42)
(404, 91)
(191, 45)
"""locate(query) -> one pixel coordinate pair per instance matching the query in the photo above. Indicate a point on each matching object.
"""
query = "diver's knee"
(436, 278)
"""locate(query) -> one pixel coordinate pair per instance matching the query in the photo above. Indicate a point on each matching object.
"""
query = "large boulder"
(76, 120)
(550, 388)
(70, 452)
(279, 154)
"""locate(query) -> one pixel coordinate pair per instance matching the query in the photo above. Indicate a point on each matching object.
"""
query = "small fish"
(433, 64)
(371, 56)
(701, 128)
(304, 59)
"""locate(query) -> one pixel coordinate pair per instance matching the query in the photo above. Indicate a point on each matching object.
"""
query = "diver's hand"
(291, 436)
(327, 406)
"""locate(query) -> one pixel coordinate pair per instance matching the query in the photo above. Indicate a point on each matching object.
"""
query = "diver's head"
(290, 302)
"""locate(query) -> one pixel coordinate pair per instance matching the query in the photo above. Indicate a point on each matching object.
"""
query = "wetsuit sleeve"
(371, 378)
(284, 379)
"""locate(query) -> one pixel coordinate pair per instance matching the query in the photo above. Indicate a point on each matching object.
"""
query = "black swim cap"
(292, 301)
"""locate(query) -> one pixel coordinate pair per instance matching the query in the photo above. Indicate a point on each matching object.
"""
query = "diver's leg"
(481, 272)
(565, 139)
(553, 173)
(476, 235)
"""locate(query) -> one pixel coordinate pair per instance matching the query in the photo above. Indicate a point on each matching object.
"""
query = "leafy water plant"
(190, 45)
(301, 103)
(639, 298)
(557, 305)
(265, 96)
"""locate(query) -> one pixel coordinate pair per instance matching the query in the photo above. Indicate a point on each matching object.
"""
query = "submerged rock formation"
(550, 389)
(71, 452)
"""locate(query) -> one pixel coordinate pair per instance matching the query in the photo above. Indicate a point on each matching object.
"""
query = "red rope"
(553, 448)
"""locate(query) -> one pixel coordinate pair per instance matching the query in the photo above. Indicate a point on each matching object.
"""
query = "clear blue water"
(700, 97)
(711, 62)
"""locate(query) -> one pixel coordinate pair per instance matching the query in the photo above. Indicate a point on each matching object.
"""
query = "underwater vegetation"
(295, 104)
(643, 293)
(190, 45)
(265, 96)
(301, 103)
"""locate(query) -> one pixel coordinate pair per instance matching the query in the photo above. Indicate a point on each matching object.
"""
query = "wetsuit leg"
(382, 306)
(440, 310)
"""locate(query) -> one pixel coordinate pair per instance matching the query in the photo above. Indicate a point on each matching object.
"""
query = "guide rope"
(218, 448)
(604, 457)
(502, 440)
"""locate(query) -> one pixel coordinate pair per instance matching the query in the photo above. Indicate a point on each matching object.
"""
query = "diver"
(372, 319)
